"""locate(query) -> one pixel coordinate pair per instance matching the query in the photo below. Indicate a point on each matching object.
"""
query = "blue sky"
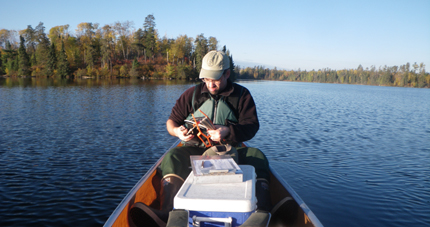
(286, 34)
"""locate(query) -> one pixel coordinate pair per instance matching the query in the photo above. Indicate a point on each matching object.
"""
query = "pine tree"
(42, 49)
(24, 61)
(1, 65)
(149, 35)
(33, 60)
(134, 71)
(52, 60)
(63, 64)
(138, 41)
(9, 60)
(232, 71)
(135, 64)
(150, 42)
(92, 54)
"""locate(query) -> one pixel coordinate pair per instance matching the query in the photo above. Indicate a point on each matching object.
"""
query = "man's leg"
(177, 161)
(175, 168)
(256, 158)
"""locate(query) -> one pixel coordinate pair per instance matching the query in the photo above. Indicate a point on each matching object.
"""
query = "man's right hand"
(181, 133)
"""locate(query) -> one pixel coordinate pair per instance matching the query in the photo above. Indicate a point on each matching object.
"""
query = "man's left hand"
(219, 133)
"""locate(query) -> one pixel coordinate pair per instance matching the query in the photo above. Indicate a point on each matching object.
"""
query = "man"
(233, 112)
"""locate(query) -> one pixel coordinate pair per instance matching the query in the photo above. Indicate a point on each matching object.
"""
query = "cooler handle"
(196, 220)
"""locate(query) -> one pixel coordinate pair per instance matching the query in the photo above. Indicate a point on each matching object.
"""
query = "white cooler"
(233, 199)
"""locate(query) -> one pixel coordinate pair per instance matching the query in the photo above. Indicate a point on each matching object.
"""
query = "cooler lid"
(219, 197)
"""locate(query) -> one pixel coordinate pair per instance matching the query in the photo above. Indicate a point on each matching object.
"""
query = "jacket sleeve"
(183, 107)
(248, 124)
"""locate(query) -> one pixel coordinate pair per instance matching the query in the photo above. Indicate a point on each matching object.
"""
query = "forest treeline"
(120, 50)
(114, 50)
(403, 76)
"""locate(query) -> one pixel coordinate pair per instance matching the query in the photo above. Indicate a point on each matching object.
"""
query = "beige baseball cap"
(214, 64)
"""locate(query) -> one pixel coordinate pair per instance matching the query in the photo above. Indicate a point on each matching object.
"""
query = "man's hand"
(181, 133)
(178, 130)
(219, 133)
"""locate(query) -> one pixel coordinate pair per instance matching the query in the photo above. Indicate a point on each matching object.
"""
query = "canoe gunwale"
(313, 219)
(115, 214)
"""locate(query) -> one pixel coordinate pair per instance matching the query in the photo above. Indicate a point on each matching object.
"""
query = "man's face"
(216, 86)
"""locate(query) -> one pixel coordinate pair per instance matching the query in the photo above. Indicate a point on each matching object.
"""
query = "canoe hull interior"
(296, 213)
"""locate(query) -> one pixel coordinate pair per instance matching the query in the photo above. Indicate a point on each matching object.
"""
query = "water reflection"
(60, 82)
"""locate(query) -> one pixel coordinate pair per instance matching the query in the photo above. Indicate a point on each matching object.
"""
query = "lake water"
(70, 151)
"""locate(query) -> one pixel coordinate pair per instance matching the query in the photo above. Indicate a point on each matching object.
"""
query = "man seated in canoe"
(232, 110)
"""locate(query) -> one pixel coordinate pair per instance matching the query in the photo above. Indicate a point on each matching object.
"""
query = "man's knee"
(172, 154)
(172, 161)
(250, 153)
(256, 158)
(255, 152)
(177, 161)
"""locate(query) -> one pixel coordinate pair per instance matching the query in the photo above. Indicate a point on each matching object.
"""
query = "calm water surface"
(70, 151)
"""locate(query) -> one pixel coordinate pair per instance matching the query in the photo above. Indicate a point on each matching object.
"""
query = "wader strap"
(192, 100)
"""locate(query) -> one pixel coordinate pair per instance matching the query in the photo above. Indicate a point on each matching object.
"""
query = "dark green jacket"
(242, 105)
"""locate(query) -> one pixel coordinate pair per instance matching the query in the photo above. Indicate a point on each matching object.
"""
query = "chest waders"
(219, 111)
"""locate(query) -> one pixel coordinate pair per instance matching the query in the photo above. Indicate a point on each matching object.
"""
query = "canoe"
(145, 191)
